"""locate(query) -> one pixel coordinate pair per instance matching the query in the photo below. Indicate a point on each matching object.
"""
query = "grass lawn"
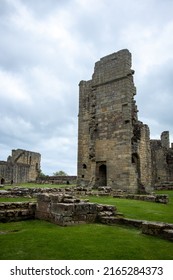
(34, 185)
(17, 199)
(42, 240)
(141, 210)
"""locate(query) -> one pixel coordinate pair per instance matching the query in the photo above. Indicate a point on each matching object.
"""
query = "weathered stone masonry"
(21, 166)
(113, 146)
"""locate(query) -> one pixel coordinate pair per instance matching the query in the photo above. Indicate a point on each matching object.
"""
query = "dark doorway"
(2, 181)
(102, 175)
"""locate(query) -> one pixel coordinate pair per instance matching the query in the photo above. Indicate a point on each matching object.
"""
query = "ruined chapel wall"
(6, 172)
(21, 166)
(27, 164)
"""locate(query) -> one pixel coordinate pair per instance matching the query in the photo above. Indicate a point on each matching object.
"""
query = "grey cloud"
(156, 96)
(54, 48)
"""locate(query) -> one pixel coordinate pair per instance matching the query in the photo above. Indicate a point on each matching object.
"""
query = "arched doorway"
(102, 175)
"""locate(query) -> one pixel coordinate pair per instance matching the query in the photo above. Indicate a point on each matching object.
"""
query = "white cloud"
(13, 87)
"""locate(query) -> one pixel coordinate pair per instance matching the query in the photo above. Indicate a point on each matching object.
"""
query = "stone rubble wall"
(83, 191)
(57, 180)
(158, 229)
(163, 230)
(164, 186)
(64, 210)
(17, 211)
(159, 198)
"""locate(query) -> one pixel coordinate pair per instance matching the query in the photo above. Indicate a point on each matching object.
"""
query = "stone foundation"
(158, 229)
(66, 210)
(159, 198)
(17, 211)
(83, 191)
(163, 230)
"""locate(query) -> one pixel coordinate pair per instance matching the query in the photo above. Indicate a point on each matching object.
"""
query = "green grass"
(17, 199)
(29, 240)
(34, 185)
(142, 210)
(43, 240)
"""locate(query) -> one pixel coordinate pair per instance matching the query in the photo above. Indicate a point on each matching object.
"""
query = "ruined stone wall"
(144, 152)
(21, 166)
(6, 172)
(162, 159)
(17, 211)
(67, 180)
(64, 210)
(107, 117)
(31, 159)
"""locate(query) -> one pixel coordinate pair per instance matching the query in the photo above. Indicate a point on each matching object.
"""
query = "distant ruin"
(22, 166)
(114, 147)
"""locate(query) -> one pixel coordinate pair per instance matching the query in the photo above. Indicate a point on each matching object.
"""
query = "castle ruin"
(114, 147)
(22, 166)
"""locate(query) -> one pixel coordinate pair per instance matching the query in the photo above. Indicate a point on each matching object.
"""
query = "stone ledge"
(159, 229)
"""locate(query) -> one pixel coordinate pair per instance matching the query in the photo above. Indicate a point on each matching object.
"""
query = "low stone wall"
(164, 186)
(28, 192)
(159, 198)
(66, 210)
(82, 191)
(158, 229)
(163, 230)
(17, 211)
(66, 180)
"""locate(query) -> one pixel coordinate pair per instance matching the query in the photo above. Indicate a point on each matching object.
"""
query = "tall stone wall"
(21, 166)
(111, 140)
(162, 160)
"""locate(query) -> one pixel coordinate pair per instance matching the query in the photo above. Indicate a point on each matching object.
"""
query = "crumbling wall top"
(111, 67)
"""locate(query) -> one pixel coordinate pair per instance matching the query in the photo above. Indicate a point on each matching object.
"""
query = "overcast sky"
(48, 46)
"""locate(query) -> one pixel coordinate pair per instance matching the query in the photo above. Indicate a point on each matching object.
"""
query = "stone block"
(60, 208)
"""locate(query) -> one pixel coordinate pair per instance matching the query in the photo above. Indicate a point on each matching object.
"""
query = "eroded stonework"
(114, 147)
(22, 166)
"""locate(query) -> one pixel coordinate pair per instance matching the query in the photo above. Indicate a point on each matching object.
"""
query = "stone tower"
(113, 146)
